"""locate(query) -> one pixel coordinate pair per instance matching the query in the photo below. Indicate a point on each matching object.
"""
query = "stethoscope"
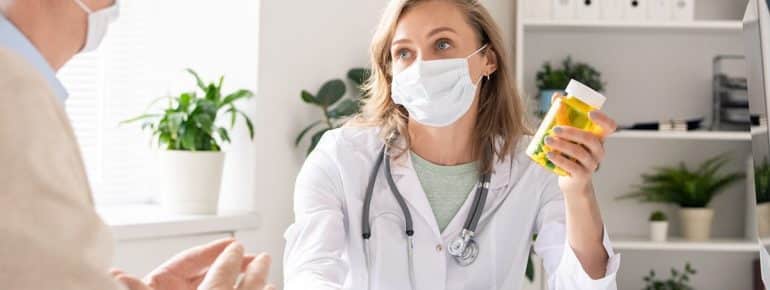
(464, 248)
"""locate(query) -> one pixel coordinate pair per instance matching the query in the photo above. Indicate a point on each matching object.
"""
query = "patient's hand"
(214, 266)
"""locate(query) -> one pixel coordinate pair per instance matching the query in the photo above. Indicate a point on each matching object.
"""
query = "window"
(142, 58)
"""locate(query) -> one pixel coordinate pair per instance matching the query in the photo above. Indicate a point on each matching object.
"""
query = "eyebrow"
(430, 34)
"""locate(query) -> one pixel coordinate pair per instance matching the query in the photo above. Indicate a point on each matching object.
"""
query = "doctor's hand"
(214, 266)
(579, 152)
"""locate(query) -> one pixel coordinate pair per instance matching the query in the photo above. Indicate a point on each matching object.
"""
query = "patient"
(50, 235)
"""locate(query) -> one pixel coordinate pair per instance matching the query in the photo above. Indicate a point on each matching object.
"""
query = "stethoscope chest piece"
(464, 249)
(468, 253)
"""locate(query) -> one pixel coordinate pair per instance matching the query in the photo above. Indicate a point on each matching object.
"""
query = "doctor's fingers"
(224, 272)
(590, 141)
(576, 151)
(255, 276)
(604, 121)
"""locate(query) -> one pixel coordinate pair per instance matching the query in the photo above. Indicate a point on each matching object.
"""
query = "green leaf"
(316, 137)
(198, 80)
(249, 125)
(137, 118)
(304, 132)
(331, 92)
(231, 98)
(308, 98)
(223, 134)
(204, 122)
(345, 108)
(530, 271)
(359, 75)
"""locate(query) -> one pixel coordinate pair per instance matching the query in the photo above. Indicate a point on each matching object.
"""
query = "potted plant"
(658, 226)
(550, 80)
(762, 188)
(336, 109)
(680, 280)
(692, 190)
(187, 132)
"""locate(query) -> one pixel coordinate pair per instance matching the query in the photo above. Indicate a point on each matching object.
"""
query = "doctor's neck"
(450, 145)
(56, 28)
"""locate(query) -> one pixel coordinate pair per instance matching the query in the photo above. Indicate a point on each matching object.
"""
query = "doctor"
(429, 188)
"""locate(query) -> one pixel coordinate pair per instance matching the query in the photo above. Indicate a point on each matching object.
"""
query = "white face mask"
(436, 93)
(98, 21)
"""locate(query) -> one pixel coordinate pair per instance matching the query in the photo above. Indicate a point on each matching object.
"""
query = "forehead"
(421, 19)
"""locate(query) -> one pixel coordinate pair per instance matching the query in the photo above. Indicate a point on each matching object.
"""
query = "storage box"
(683, 10)
(564, 9)
(659, 10)
(635, 10)
(588, 9)
(537, 9)
(612, 9)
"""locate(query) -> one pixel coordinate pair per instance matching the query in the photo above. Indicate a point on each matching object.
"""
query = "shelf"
(679, 244)
(682, 135)
(689, 26)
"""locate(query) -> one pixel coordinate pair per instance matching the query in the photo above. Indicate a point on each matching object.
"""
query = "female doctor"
(429, 187)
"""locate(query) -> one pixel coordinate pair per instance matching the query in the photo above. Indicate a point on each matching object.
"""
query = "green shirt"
(447, 187)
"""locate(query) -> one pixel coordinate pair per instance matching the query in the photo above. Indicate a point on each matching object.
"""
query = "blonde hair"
(501, 114)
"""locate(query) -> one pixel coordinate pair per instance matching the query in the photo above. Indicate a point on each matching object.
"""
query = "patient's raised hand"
(213, 266)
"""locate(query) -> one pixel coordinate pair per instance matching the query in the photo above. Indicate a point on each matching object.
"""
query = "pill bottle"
(571, 110)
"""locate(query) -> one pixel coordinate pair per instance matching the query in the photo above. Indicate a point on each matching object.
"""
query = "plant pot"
(545, 99)
(696, 223)
(658, 231)
(190, 181)
(763, 219)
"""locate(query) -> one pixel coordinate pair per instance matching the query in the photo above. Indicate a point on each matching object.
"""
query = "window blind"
(142, 58)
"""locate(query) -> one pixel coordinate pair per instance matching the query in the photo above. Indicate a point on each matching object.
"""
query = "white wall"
(303, 44)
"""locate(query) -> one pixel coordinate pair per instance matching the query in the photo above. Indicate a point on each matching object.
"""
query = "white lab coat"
(324, 247)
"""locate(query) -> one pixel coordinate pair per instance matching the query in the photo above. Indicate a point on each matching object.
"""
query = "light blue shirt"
(11, 38)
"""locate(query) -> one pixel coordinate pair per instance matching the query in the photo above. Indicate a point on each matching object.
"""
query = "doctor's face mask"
(436, 93)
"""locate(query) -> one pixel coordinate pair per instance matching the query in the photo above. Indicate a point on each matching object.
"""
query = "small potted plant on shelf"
(550, 80)
(186, 131)
(692, 190)
(658, 226)
(762, 189)
(680, 280)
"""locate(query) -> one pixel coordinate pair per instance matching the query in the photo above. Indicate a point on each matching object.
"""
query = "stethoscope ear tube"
(366, 230)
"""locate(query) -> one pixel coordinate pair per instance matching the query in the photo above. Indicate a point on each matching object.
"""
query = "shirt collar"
(11, 38)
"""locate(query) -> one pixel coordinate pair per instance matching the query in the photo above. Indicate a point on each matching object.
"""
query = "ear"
(490, 61)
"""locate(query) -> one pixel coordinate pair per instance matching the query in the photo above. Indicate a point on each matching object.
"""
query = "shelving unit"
(656, 71)
(679, 244)
(728, 26)
(683, 135)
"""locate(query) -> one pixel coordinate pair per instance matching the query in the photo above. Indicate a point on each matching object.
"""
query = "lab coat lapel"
(498, 185)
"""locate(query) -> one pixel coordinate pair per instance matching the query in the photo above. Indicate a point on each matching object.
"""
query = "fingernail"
(557, 129)
(592, 114)
(550, 155)
(548, 140)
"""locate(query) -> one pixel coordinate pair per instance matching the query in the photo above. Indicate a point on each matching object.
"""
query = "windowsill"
(143, 221)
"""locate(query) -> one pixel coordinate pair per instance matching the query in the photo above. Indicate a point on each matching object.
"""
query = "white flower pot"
(696, 223)
(190, 180)
(763, 219)
(658, 231)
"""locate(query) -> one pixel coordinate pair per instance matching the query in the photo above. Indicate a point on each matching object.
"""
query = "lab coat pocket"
(387, 252)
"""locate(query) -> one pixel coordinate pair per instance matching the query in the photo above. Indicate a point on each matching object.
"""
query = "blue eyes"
(440, 46)
(404, 54)
(443, 45)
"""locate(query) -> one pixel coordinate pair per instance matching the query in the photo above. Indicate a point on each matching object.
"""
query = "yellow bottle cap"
(585, 94)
